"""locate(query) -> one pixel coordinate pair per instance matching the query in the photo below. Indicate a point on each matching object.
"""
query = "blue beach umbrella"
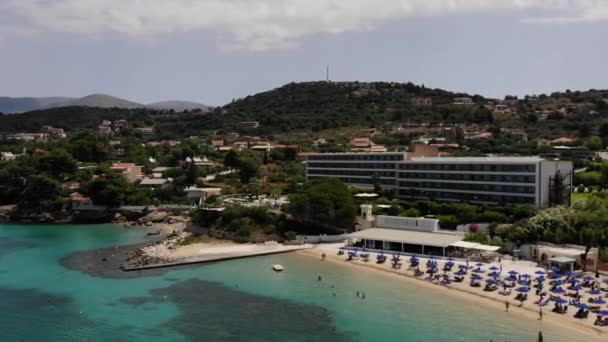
(600, 301)
(588, 278)
(476, 277)
(494, 268)
(523, 289)
(555, 269)
(555, 276)
(576, 288)
(478, 270)
(583, 306)
(559, 290)
(526, 276)
(511, 278)
(595, 292)
(540, 272)
(449, 263)
(561, 301)
(540, 279)
(513, 272)
(462, 266)
(605, 281)
(574, 281)
(479, 264)
(450, 259)
(558, 283)
(432, 257)
(490, 281)
(570, 273)
(523, 282)
(460, 273)
(494, 275)
(602, 313)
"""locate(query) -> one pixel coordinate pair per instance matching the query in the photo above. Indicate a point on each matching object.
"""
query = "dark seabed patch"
(212, 312)
(10, 245)
(33, 315)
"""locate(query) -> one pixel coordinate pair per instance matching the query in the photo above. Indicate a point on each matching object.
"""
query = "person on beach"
(540, 314)
(540, 336)
(507, 306)
(323, 256)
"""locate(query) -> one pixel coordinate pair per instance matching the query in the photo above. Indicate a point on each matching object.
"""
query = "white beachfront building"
(484, 180)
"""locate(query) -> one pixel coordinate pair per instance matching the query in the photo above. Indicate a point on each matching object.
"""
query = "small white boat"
(277, 268)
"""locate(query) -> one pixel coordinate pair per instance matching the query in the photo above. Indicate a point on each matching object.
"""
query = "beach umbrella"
(555, 276)
(561, 301)
(540, 279)
(476, 277)
(588, 278)
(526, 276)
(569, 273)
(513, 272)
(583, 306)
(559, 290)
(494, 268)
(462, 266)
(540, 272)
(511, 278)
(574, 281)
(432, 257)
(479, 264)
(600, 301)
(523, 282)
(558, 283)
(460, 273)
(523, 289)
(478, 270)
(576, 288)
(555, 269)
(450, 259)
(449, 263)
(595, 292)
(490, 281)
(605, 281)
(494, 275)
(602, 313)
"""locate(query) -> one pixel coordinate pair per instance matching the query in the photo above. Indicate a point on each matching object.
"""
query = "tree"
(231, 159)
(603, 133)
(39, 191)
(88, 147)
(57, 163)
(324, 201)
(248, 169)
(109, 190)
(594, 143)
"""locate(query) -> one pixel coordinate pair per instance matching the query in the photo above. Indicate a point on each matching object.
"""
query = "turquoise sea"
(240, 300)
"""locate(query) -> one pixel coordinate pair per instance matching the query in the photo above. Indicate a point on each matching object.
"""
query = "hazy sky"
(215, 50)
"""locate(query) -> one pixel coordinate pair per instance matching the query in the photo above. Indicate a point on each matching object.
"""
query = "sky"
(213, 51)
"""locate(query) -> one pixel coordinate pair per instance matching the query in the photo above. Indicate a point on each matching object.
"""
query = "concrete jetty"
(221, 253)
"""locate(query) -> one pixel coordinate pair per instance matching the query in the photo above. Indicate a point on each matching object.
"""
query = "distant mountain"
(178, 106)
(105, 101)
(15, 105)
(26, 104)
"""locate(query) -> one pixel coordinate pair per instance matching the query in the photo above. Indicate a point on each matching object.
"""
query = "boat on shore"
(277, 268)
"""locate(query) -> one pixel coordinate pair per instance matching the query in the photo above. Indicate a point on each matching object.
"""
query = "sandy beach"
(528, 311)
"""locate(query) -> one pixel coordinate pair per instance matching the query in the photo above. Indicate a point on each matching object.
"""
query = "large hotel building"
(484, 180)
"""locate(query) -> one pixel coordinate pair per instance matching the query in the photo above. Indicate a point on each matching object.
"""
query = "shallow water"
(239, 300)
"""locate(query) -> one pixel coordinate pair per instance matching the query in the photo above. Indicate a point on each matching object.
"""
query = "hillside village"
(143, 166)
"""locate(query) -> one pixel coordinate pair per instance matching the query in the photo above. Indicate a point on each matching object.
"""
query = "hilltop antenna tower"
(327, 73)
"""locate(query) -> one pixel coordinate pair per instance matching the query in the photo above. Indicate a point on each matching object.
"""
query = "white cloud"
(264, 24)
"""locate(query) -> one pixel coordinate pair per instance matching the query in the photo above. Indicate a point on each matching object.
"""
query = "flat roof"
(407, 236)
(478, 159)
